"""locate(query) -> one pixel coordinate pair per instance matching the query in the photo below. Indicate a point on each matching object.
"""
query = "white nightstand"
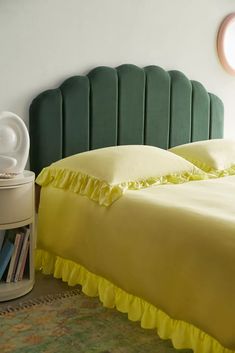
(16, 211)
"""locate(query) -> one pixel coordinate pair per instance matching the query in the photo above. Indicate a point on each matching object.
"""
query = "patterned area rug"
(72, 322)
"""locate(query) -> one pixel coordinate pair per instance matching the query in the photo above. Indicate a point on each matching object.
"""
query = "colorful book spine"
(21, 237)
(5, 256)
(22, 254)
(14, 257)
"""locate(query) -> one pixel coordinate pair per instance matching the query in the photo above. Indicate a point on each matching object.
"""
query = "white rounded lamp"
(14, 145)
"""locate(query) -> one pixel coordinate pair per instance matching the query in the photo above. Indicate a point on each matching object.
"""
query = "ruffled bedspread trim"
(102, 192)
(182, 334)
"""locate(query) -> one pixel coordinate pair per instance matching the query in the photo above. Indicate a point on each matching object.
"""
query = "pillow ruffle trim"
(182, 334)
(99, 190)
(83, 184)
(212, 173)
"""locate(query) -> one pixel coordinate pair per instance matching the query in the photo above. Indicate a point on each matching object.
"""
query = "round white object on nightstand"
(14, 143)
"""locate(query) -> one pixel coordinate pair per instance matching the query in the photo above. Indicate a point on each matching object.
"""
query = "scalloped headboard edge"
(121, 106)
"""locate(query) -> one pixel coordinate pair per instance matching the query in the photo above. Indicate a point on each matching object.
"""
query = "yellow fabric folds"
(182, 334)
(172, 245)
(102, 192)
(216, 156)
(212, 172)
(103, 175)
(85, 185)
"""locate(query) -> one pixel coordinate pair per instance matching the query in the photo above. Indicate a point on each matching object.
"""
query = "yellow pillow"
(215, 156)
(104, 174)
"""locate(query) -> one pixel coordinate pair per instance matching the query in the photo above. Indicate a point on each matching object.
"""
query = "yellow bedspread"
(171, 245)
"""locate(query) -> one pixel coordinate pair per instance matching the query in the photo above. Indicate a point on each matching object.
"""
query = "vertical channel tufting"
(75, 93)
(181, 97)
(103, 105)
(131, 104)
(157, 107)
(216, 117)
(45, 129)
(200, 112)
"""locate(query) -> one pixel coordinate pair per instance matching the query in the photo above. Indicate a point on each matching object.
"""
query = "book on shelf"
(17, 255)
(5, 256)
(14, 257)
(22, 268)
(2, 236)
(9, 236)
(14, 253)
(23, 255)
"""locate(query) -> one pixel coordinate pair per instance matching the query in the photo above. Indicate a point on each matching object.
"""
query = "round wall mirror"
(226, 43)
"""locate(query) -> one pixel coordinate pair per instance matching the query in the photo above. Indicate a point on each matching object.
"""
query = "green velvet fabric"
(157, 107)
(131, 89)
(181, 106)
(126, 105)
(46, 129)
(200, 113)
(103, 107)
(75, 95)
(216, 117)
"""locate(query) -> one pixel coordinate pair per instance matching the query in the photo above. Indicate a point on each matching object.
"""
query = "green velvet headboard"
(126, 105)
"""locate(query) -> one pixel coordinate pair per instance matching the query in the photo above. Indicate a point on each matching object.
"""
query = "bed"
(140, 254)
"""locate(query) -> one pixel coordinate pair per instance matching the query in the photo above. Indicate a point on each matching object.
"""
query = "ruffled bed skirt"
(182, 334)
